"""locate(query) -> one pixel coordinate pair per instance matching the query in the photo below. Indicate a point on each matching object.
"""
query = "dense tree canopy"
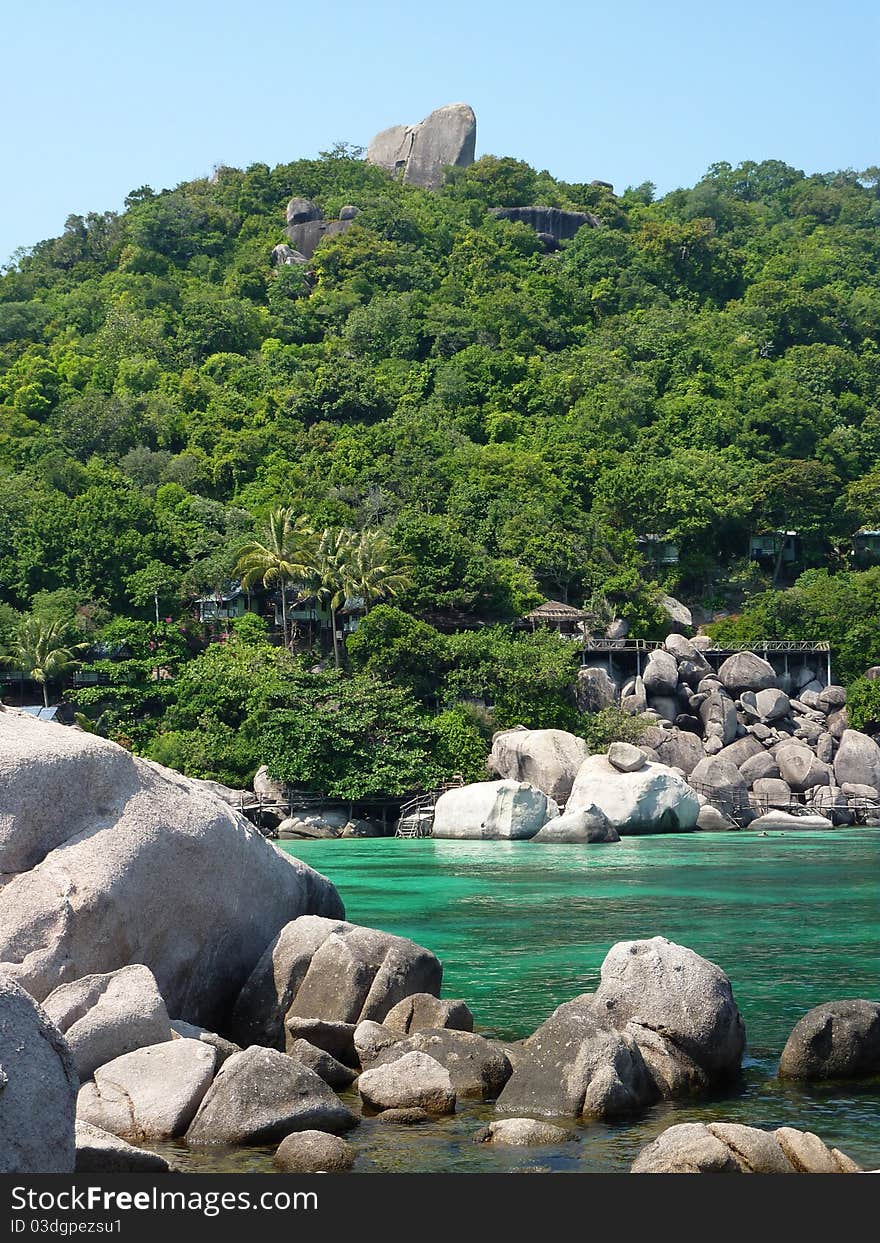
(511, 422)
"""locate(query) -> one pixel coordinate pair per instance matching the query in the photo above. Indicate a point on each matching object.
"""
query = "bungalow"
(230, 600)
(657, 549)
(562, 617)
(769, 548)
(866, 547)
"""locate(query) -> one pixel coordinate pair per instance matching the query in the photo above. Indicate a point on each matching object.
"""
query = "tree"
(148, 584)
(333, 575)
(376, 569)
(286, 557)
(41, 652)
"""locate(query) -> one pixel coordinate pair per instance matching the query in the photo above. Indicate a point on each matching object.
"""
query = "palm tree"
(40, 652)
(333, 578)
(286, 557)
(377, 571)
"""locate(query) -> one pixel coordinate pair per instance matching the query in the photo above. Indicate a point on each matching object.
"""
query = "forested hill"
(702, 366)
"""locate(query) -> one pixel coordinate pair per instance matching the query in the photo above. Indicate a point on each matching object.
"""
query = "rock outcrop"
(838, 1040)
(651, 799)
(547, 759)
(551, 224)
(419, 154)
(478, 1068)
(100, 1152)
(38, 1086)
(332, 971)
(104, 1016)
(104, 849)
(152, 1093)
(492, 810)
(729, 1148)
(261, 1095)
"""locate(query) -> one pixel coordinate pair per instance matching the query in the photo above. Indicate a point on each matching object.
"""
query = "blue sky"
(99, 97)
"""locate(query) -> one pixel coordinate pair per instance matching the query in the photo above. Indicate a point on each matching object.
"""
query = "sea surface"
(793, 918)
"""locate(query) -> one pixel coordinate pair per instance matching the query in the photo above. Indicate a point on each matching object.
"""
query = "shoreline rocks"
(729, 1148)
(837, 1040)
(492, 811)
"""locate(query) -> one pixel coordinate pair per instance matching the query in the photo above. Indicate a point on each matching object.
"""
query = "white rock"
(547, 759)
(490, 810)
(653, 799)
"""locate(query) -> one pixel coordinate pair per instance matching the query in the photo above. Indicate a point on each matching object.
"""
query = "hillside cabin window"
(658, 550)
(765, 548)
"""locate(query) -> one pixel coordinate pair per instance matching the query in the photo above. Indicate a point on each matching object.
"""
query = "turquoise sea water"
(793, 918)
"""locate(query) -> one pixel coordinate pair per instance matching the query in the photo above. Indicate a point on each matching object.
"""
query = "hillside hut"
(558, 616)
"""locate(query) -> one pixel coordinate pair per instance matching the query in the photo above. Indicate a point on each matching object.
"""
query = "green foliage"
(863, 705)
(611, 724)
(395, 646)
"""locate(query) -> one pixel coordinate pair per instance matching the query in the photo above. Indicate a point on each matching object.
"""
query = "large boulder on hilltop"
(420, 153)
(653, 799)
(152, 1093)
(38, 1086)
(121, 861)
(839, 1040)
(491, 810)
(730, 1148)
(671, 990)
(104, 1016)
(577, 1064)
(108, 850)
(547, 759)
(744, 671)
(261, 1095)
(331, 971)
(857, 761)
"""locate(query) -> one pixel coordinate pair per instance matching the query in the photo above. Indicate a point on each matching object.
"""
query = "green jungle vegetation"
(501, 423)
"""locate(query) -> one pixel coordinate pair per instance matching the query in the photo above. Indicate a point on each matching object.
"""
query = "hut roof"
(555, 610)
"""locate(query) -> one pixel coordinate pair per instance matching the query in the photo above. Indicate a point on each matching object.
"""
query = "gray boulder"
(588, 825)
(680, 749)
(838, 1040)
(371, 1039)
(478, 1068)
(633, 699)
(772, 704)
(552, 224)
(100, 1152)
(191, 1031)
(104, 1016)
(720, 782)
(152, 1093)
(744, 671)
(711, 820)
(324, 1064)
(492, 811)
(625, 757)
(743, 749)
(831, 803)
(314, 1152)
(671, 990)
(284, 255)
(718, 714)
(38, 1086)
(335, 1038)
(523, 1133)
(596, 689)
(857, 760)
(419, 154)
(576, 1064)
(678, 614)
(729, 1148)
(654, 799)
(423, 1012)
(261, 1095)
(685, 650)
(547, 759)
(300, 211)
(832, 698)
(759, 767)
(661, 673)
(801, 769)
(105, 845)
(332, 971)
(414, 1081)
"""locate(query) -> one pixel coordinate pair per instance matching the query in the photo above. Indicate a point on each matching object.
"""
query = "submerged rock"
(729, 1148)
(523, 1132)
(314, 1152)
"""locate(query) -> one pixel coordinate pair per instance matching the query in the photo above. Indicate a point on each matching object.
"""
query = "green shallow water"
(793, 918)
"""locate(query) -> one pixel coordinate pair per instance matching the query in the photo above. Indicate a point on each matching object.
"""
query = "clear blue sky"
(98, 97)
